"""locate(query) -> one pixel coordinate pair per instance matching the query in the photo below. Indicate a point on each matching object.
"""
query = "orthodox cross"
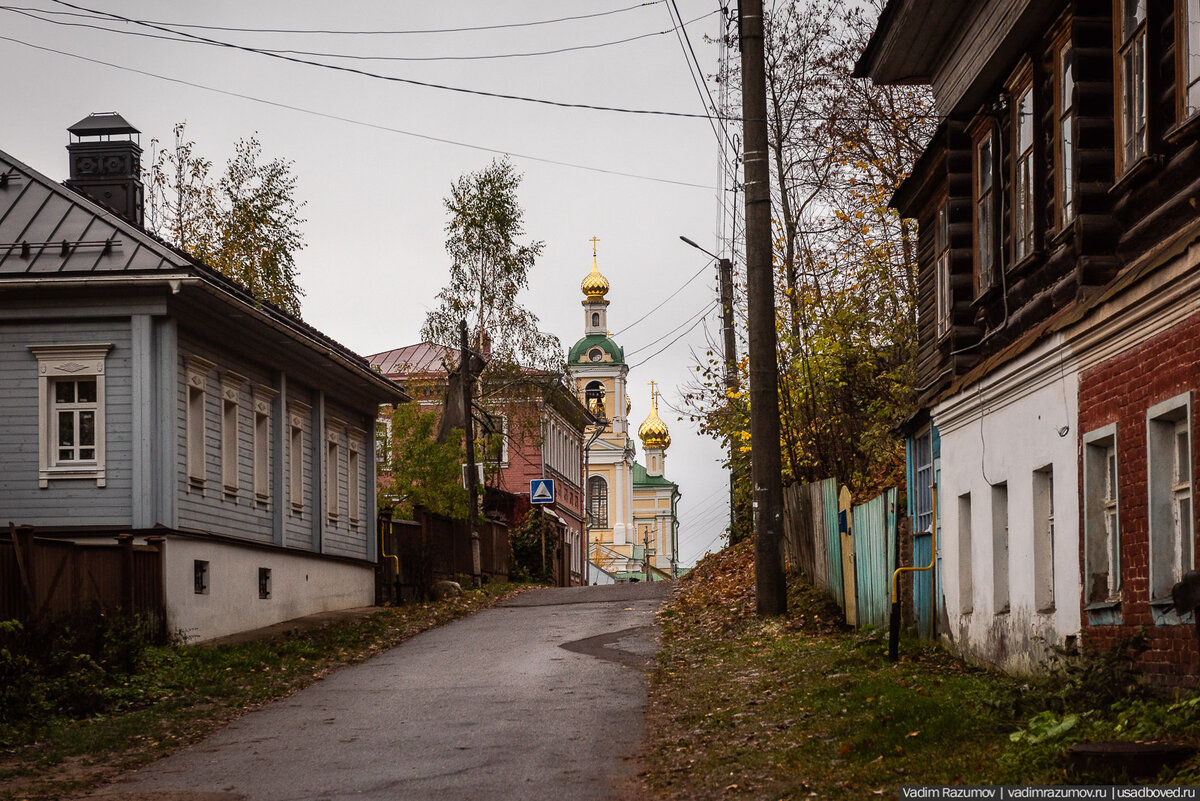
(594, 240)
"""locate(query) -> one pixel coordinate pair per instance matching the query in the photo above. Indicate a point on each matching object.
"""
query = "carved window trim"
(69, 363)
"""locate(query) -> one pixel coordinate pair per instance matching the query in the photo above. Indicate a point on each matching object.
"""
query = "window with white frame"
(231, 390)
(1187, 46)
(1000, 573)
(923, 482)
(1023, 180)
(296, 414)
(941, 275)
(1043, 539)
(71, 411)
(333, 469)
(1101, 518)
(966, 579)
(1169, 462)
(197, 435)
(263, 399)
(1131, 89)
(1064, 153)
(353, 475)
(985, 254)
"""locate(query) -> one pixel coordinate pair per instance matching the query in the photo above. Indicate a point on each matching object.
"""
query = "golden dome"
(653, 431)
(595, 285)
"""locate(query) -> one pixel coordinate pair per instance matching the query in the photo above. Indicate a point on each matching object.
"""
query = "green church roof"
(579, 353)
(640, 479)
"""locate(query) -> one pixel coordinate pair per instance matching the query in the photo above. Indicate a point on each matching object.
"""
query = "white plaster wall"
(300, 585)
(1003, 431)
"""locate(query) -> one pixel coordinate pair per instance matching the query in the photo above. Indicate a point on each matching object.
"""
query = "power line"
(380, 33)
(691, 73)
(676, 339)
(391, 78)
(362, 123)
(662, 302)
(698, 76)
(179, 37)
(704, 310)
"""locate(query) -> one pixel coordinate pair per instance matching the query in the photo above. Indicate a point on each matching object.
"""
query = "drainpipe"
(894, 627)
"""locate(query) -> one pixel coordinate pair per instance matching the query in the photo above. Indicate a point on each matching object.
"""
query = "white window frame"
(334, 433)
(69, 363)
(1023, 174)
(966, 577)
(262, 398)
(941, 276)
(1043, 539)
(594, 505)
(1064, 94)
(354, 439)
(1131, 87)
(196, 423)
(984, 211)
(297, 413)
(1188, 47)
(1001, 588)
(1101, 518)
(231, 390)
(923, 480)
(1172, 533)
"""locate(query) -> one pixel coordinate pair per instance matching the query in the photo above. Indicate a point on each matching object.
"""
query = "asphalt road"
(540, 698)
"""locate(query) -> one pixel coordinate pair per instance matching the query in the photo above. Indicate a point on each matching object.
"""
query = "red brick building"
(538, 427)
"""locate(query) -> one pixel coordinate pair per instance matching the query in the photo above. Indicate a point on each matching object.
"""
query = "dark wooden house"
(1059, 315)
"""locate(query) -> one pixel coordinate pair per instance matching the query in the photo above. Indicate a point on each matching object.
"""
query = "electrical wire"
(392, 78)
(673, 341)
(384, 33)
(697, 76)
(696, 81)
(662, 302)
(351, 121)
(182, 38)
(704, 310)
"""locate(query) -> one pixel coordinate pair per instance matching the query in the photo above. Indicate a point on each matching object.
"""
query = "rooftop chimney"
(106, 163)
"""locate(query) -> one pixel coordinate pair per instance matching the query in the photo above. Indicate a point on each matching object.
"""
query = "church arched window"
(595, 319)
(597, 493)
(594, 399)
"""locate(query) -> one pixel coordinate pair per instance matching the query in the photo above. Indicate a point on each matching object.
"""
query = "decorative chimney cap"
(102, 123)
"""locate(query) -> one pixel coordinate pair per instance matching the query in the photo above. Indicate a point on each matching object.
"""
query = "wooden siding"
(979, 41)
(210, 508)
(341, 537)
(298, 527)
(65, 502)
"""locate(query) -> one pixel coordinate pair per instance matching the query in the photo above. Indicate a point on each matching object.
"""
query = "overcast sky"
(374, 180)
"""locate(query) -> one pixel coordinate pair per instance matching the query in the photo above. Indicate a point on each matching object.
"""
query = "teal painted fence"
(875, 557)
(812, 544)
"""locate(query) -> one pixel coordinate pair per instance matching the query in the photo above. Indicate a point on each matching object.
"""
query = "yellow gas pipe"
(894, 629)
(395, 561)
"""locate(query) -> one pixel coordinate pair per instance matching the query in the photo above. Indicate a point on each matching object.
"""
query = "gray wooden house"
(142, 392)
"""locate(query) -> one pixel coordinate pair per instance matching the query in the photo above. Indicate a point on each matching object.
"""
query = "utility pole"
(731, 382)
(468, 381)
(725, 276)
(766, 463)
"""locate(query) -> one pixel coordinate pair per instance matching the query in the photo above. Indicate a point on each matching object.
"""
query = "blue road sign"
(541, 490)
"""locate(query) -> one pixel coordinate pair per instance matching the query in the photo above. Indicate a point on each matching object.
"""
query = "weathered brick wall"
(1120, 391)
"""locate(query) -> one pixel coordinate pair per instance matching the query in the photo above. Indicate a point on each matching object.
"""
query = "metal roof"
(103, 123)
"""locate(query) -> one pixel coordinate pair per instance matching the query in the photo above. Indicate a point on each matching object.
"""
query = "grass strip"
(799, 706)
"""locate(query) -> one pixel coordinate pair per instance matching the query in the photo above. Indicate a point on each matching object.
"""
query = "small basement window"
(200, 576)
(264, 582)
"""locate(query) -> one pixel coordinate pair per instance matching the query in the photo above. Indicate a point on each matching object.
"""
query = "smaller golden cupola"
(594, 285)
(653, 431)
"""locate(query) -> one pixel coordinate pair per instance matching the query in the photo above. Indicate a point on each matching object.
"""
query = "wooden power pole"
(468, 381)
(765, 458)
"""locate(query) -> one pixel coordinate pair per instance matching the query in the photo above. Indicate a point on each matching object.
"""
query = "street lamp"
(725, 271)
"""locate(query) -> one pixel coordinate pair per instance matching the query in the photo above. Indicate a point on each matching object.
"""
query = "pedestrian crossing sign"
(541, 490)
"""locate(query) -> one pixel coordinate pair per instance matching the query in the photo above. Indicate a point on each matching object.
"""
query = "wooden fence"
(42, 579)
(431, 548)
(850, 551)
